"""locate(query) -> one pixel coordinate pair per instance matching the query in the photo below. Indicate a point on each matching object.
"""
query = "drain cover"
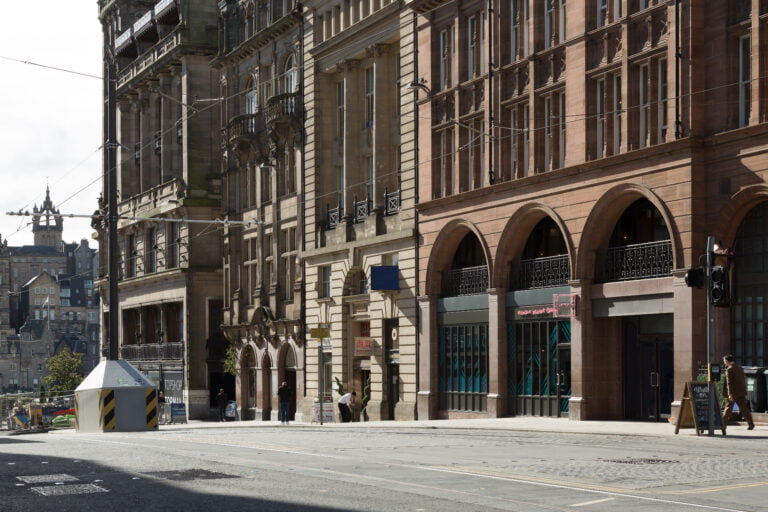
(643, 461)
(189, 474)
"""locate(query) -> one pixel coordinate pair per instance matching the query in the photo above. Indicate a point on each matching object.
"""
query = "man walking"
(221, 401)
(284, 394)
(735, 391)
(344, 407)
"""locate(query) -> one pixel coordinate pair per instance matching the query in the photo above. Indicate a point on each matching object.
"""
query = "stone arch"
(511, 245)
(444, 248)
(736, 209)
(248, 379)
(603, 218)
(352, 280)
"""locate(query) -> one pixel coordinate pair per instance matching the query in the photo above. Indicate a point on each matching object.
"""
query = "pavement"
(518, 423)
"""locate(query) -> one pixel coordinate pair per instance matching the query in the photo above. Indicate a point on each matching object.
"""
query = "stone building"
(564, 194)
(360, 192)
(259, 61)
(169, 189)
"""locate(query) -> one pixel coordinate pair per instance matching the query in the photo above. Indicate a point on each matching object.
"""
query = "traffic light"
(694, 277)
(718, 286)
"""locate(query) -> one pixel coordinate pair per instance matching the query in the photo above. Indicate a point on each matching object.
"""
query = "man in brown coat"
(735, 390)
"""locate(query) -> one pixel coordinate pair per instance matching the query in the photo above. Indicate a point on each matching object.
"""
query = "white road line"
(593, 502)
(440, 470)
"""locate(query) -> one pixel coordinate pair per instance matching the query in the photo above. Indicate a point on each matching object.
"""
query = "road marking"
(593, 502)
(41, 479)
(67, 490)
(569, 486)
(610, 491)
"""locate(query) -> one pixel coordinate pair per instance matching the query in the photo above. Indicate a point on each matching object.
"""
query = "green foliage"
(63, 371)
(230, 361)
(366, 395)
(340, 386)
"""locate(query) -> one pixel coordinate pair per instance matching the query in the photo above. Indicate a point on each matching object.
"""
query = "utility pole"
(710, 335)
(110, 177)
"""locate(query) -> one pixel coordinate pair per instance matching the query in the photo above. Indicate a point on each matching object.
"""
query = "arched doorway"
(266, 388)
(462, 334)
(249, 380)
(749, 293)
(640, 247)
(538, 342)
(289, 375)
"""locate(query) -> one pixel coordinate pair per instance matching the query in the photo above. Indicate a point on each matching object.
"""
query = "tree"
(64, 371)
(230, 361)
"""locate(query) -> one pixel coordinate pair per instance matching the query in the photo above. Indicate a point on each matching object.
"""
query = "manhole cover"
(643, 461)
(189, 474)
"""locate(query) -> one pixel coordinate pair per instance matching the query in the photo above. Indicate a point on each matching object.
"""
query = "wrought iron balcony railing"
(391, 202)
(543, 272)
(362, 209)
(465, 281)
(152, 351)
(638, 261)
(333, 216)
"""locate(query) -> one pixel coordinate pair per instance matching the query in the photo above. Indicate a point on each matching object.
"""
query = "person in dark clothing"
(735, 391)
(221, 401)
(284, 394)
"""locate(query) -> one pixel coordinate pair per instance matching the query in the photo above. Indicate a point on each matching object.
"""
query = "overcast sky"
(50, 121)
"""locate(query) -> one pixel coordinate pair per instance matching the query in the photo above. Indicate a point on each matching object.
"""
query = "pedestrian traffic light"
(694, 277)
(718, 286)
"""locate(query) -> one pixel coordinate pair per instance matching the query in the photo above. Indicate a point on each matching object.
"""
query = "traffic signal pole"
(710, 331)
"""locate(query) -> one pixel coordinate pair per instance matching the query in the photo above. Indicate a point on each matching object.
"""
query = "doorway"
(648, 367)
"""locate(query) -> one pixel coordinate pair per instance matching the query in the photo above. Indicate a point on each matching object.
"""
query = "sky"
(50, 121)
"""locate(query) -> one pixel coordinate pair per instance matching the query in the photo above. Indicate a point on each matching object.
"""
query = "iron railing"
(465, 281)
(543, 272)
(152, 351)
(362, 209)
(333, 216)
(637, 261)
(391, 202)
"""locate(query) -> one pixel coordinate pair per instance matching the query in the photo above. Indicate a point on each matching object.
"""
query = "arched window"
(290, 82)
(469, 271)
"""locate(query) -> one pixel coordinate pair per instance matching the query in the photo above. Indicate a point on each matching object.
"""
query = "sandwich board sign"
(698, 398)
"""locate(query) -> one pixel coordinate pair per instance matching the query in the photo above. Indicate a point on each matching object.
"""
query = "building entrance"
(540, 367)
(648, 367)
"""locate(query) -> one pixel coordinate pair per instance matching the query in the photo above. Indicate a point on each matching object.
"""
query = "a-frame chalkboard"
(698, 397)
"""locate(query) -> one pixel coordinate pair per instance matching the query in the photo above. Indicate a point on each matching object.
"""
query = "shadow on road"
(31, 482)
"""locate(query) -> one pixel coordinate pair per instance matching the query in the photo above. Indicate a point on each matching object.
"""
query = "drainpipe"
(489, 17)
(678, 57)
(415, 202)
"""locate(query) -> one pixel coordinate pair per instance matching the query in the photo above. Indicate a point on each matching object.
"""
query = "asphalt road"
(313, 468)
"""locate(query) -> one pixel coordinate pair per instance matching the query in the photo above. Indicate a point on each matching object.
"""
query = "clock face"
(394, 333)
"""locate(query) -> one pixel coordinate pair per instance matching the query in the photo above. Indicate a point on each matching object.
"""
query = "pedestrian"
(345, 403)
(284, 394)
(221, 401)
(735, 391)
(161, 397)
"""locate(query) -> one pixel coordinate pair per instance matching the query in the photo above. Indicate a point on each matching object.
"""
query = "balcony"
(245, 127)
(638, 261)
(283, 107)
(165, 47)
(141, 204)
(543, 273)
(465, 281)
(152, 352)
